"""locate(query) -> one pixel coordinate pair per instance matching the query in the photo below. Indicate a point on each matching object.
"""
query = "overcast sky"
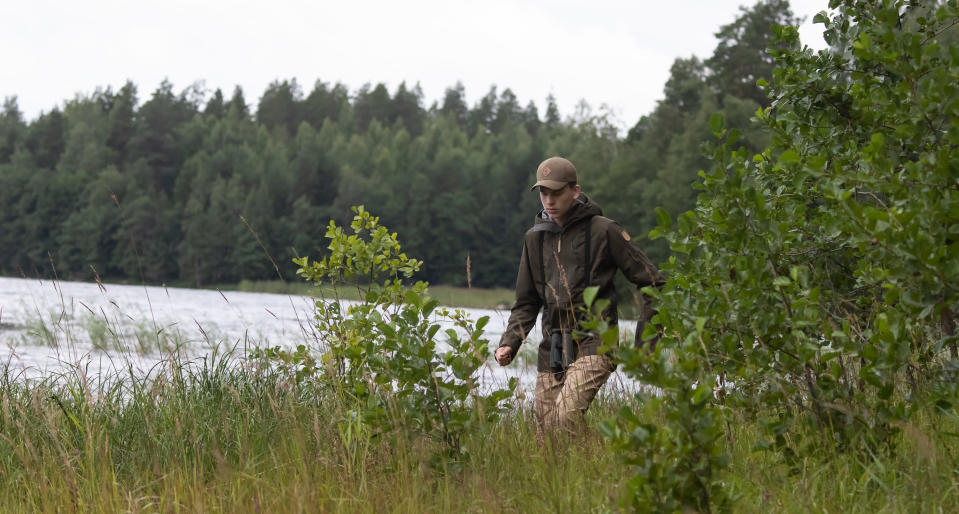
(612, 52)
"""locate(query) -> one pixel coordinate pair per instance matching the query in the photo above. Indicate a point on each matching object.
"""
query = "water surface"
(51, 326)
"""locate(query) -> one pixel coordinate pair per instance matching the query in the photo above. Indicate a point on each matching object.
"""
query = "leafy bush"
(382, 357)
(815, 283)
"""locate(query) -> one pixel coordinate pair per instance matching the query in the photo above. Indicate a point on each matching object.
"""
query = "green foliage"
(171, 190)
(814, 283)
(369, 254)
(233, 438)
(742, 57)
(663, 153)
(298, 364)
(382, 357)
(672, 461)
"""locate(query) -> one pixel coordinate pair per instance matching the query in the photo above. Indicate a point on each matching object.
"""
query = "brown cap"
(554, 173)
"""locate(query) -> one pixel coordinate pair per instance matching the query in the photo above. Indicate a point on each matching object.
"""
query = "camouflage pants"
(562, 404)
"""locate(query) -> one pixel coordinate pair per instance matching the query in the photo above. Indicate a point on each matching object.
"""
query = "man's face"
(557, 202)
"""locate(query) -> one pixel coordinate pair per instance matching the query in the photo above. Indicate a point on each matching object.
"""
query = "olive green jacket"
(554, 279)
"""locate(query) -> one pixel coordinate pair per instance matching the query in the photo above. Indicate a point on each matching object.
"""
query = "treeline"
(199, 189)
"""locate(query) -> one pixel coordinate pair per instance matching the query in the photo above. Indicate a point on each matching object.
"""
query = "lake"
(51, 326)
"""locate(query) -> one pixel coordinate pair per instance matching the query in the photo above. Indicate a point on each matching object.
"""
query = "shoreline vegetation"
(499, 298)
(240, 433)
(226, 436)
(804, 356)
(450, 296)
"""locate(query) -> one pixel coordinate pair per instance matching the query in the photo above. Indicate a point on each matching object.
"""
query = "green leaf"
(428, 307)
(412, 297)
(789, 157)
(701, 394)
(663, 219)
(716, 124)
(589, 294)
(610, 337)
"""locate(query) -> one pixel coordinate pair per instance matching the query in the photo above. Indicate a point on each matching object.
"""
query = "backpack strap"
(542, 273)
(589, 265)
(543, 228)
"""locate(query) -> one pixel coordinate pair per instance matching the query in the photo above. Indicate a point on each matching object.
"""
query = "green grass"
(919, 474)
(224, 437)
(227, 435)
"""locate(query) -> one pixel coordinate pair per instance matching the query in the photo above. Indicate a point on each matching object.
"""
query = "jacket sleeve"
(523, 313)
(638, 270)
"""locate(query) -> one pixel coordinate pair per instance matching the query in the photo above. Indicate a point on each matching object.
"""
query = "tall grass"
(222, 435)
(918, 473)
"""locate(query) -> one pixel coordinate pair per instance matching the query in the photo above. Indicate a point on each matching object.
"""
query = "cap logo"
(546, 171)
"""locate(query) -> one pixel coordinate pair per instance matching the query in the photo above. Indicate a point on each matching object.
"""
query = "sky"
(612, 53)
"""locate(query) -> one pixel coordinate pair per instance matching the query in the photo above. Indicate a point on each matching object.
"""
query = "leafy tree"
(740, 58)
(813, 287)
(279, 106)
(454, 104)
(483, 115)
(155, 135)
(86, 152)
(12, 128)
(315, 176)
(552, 112)
(237, 104)
(662, 158)
(287, 177)
(216, 106)
(209, 231)
(324, 103)
(16, 219)
(87, 242)
(121, 110)
(253, 229)
(371, 104)
(684, 89)
(147, 237)
(506, 206)
(46, 138)
(530, 117)
(307, 223)
(406, 107)
(508, 111)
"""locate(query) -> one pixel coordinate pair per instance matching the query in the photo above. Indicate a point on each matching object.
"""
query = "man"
(570, 247)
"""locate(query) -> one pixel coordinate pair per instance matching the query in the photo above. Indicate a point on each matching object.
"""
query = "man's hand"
(504, 355)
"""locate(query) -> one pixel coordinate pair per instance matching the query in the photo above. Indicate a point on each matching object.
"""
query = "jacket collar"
(582, 209)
